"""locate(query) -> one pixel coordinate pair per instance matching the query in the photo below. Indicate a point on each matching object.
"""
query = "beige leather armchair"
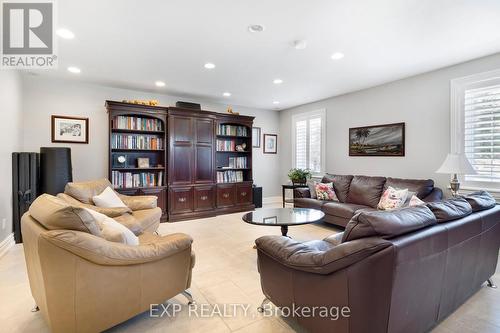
(84, 283)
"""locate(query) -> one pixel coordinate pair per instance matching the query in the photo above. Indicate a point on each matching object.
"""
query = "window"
(309, 141)
(476, 126)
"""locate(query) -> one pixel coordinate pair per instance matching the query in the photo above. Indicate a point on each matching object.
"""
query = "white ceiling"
(131, 44)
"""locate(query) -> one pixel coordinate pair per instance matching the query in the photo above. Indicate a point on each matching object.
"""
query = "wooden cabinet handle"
(203, 197)
(243, 194)
(182, 199)
(225, 195)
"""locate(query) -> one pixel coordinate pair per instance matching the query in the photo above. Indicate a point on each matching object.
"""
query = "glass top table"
(283, 217)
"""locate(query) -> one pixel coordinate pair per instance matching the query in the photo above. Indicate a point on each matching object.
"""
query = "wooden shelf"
(233, 136)
(138, 188)
(223, 169)
(133, 131)
(137, 169)
(239, 152)
(138, 150)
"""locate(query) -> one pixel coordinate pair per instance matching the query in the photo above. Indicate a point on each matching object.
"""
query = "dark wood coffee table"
(283, 217)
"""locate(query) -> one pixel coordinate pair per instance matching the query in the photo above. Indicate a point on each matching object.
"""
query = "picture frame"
(68, 129)
(270, 220)
(256, 137)
(143, 162)
(270, 144)
(377, 140)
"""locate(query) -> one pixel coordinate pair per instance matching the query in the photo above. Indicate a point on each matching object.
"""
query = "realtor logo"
(28, 35)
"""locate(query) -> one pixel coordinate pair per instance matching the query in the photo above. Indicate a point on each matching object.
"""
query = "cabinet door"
(244, 194)
(204, 198)
(204, 151)
(160, 193)
(181, 200)
(225, 195)
(181, 150)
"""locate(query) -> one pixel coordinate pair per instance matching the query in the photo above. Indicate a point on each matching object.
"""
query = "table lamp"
(456, 164)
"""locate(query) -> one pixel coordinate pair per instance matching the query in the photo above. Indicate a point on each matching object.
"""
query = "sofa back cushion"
(422, 187)
(388, 224)
(341, 184)
(84, 191)
(480, 200)
(451, 209)
(55, 214)
(365, 190)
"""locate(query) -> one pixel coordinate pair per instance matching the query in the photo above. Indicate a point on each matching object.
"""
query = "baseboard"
(6, 244)
(271, 200)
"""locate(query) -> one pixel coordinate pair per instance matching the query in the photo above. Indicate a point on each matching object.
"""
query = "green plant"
(299, 175)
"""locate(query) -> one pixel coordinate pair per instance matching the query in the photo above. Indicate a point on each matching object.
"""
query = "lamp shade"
(456, 163)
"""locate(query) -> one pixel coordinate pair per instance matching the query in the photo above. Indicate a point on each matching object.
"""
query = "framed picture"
(70, 129)
(256, 137)
(379, 140)
(143, 162)
(270, 220)
(270, 143)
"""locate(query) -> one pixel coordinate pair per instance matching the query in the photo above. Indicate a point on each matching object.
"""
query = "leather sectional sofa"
(357, 193)
(399, 271)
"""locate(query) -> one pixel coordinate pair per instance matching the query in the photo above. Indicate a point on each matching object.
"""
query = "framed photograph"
(70, 129)
(270, 144)
(379, 140)
(270, 220)
(143, 162)
(256, 137)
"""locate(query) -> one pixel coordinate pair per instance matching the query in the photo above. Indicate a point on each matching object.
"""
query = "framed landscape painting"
(379, 140)
(70, 129)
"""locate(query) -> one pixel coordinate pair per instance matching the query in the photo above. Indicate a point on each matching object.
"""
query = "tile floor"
(225, 273)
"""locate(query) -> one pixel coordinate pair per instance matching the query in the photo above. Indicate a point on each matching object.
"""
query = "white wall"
(44, 97)
(422, 102)
(11, 138)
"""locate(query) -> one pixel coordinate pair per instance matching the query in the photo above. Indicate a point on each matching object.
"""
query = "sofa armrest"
(139, 202)
(103, 252)
(319, 257)
(302, 192)
(435, 195)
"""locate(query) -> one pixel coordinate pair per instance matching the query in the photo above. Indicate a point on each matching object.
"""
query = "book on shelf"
(142, 179)
(137, 123)
(229, 176)
(226, 145)
(136, 141)
(232, 130)
(237, 162)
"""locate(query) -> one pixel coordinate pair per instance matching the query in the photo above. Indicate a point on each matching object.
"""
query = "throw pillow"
(312, 188)
(415, 201)
(108, 199)
(113, 231)
(392, 198)
(324, 191)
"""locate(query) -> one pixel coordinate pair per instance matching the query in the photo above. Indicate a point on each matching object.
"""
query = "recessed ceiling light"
(74, 69)
(300, 44)
(276, 102)
(65, 33)
(255, 28)
(277, 81)
(160, 84)
(209, 65)
(337, 56)
(226, 94)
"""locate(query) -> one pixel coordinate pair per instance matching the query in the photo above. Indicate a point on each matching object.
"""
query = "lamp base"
(455, 186)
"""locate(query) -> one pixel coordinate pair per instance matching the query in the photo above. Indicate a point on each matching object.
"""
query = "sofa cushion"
(84, 191)
(388, 224)
(480, 200)
(341, 184)
(308, 203)
(422, 187)
(108, 199)
(147, 219)
(111, 212)
(54, 214)
(365, 190)
(112, 230)
(450, 209)
(340, 209)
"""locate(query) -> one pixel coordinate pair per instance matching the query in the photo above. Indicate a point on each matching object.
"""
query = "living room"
(213, 166)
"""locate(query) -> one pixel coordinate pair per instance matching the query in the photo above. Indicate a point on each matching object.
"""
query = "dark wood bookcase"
(191, 159)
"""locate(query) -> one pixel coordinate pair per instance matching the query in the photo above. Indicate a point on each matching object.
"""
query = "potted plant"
(299, 176)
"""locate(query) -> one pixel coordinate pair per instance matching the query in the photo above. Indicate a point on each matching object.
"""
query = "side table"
(285, 187)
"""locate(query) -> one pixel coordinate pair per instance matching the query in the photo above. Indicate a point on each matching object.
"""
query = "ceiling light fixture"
(277, 81)
(255, 28)
(226, 94)
(65, 33)
(160, 84)
(337, 56)
(74, 70)
(209, 65)
(300, 44)
(276, 102)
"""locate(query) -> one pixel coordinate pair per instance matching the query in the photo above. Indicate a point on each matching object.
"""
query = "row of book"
(226, 145)
(143, 179)
(232, 130)
(127, 141)
(237, 162)
(230, 176)
(137, 123)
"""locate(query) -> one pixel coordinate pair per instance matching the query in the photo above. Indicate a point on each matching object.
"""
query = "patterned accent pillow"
(415, 201)
(312, 188)
(392, 198)
(325, 191)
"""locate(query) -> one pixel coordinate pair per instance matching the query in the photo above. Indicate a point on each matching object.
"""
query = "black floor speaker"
(25, 184)
(55, 169)
(257, 196)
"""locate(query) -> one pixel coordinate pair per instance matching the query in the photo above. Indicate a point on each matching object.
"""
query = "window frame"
(458, 87)
(307, 116)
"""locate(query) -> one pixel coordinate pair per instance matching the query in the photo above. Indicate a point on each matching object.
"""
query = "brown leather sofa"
(361, 193)
(400, 271)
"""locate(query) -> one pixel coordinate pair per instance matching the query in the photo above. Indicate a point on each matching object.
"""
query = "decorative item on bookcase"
(241, 147)
(256, 137)
(143, 162)
(151, 102)
(230, 111)
(120, 161)
(270, 143)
